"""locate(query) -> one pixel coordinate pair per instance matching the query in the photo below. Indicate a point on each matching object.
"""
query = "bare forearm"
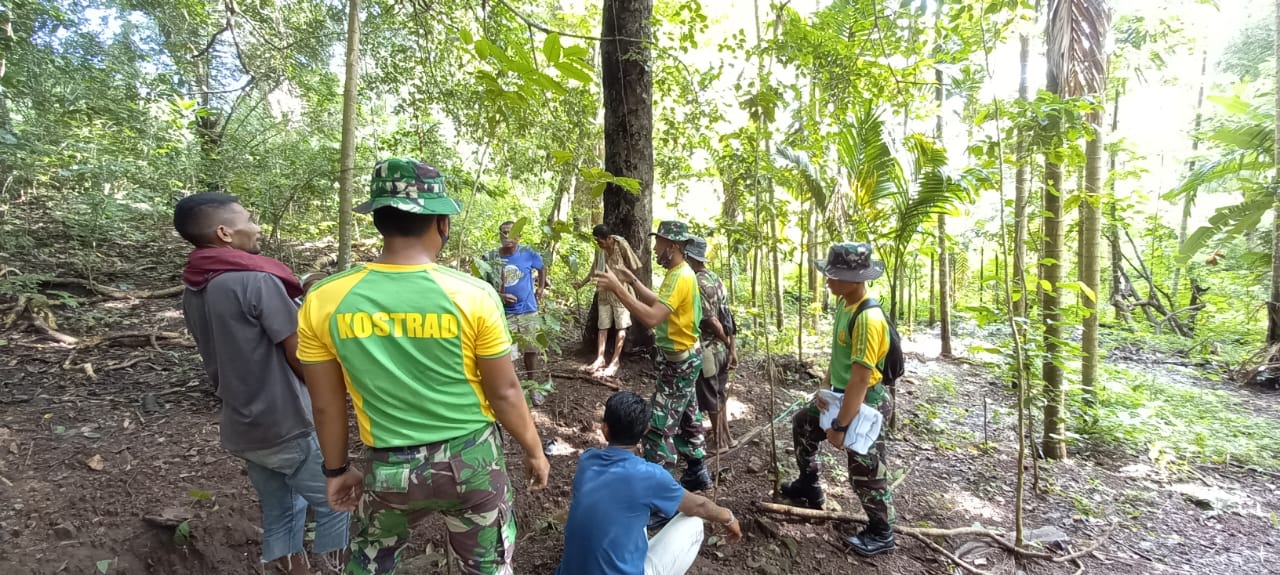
(331, 431)
(646, 314)
(695, 505)
(854, 394)
(513, 413)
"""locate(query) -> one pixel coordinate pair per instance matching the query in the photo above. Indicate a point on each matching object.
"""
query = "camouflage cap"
(408, 185)
(851, 262)
(696, 249)
(673, 230)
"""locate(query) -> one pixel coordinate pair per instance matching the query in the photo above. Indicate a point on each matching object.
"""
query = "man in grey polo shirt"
(239, 306)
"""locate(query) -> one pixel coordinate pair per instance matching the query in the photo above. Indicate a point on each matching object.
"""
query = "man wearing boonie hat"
(675, 313)
(857, 356)
(719, 354)
(424, 353)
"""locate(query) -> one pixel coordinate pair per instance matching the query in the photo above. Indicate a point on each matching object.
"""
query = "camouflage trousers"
(465, 479)
(674, 429)
(868, 473)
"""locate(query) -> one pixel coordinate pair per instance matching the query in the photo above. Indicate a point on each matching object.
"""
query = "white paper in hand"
(863, 431)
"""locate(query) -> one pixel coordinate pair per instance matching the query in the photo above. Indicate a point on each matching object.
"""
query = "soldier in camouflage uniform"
(427, 380)
(857, 356)
(675, 313)
(719, 353)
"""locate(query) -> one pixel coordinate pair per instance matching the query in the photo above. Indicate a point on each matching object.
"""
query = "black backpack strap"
(869, 303)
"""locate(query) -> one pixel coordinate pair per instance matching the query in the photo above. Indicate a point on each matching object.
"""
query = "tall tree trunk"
(1088, 263)
(1189, 200)
(1118, 285)
(1273, 306)
(628, 129)
(6, 45)
(1051, 271)
(933, 275)
(944, 259)
(1020, 190)
(347, 148)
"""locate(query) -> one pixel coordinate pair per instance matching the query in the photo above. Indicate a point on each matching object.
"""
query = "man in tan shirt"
(612, 252)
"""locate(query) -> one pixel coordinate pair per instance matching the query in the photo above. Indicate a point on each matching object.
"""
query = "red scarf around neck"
(204, 264)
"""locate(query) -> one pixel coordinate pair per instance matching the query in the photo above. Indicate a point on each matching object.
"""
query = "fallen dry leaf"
(96, 463)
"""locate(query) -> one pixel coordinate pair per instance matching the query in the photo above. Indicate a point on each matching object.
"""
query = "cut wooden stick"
(746, 439)
(584, 377)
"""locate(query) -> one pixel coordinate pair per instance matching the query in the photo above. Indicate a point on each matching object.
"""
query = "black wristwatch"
(840, 428)
(335, 472)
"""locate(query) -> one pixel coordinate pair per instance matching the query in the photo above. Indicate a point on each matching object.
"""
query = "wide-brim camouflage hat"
(408, 185)
(673, 230)
(696, 249)
(851, 262)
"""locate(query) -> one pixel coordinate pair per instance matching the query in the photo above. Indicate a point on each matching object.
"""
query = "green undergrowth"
(1174, 424)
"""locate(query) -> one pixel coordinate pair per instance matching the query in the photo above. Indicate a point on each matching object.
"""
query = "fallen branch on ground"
(583, 377)
(918, 532)
(114, 293)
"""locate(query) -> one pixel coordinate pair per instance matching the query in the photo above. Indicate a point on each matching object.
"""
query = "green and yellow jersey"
(867, 344)
(408, 338)
(681, 295)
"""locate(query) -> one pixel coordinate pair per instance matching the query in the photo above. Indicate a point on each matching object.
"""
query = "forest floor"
(116, 468)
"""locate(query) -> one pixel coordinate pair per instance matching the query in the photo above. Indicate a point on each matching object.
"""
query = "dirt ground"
(100, 466)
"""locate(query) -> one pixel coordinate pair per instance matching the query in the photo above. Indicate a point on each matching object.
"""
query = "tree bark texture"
(628, 129)
(347, 148)
(1090, 231)
(944, 267)
(1273, 306)
(1020, 192)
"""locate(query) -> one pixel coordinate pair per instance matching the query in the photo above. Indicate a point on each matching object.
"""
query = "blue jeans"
(288, 479)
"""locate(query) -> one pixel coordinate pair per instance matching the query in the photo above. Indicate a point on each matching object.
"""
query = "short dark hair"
(601, 231)
(396, 223)
(627, 416)
(506, 223)
(193, 216)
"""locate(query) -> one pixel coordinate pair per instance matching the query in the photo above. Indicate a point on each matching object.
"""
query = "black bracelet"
(335, 472)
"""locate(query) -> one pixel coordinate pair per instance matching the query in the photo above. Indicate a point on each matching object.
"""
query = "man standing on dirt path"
(515, 267)
(428, 374)
(676, 312)
(612, 252)
(719, 354)
(858, 351)
(239, 307)
(614, 493)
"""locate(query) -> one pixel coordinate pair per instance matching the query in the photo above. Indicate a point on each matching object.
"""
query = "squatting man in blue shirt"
(614, 493)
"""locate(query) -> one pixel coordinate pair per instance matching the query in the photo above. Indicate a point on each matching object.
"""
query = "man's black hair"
(195, 216)
(601, 231)
(627, 416)
(506, 223)
(396, 223)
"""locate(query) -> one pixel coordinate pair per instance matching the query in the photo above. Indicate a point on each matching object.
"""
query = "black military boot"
(696, 477)
(875, 539)
(806, 491)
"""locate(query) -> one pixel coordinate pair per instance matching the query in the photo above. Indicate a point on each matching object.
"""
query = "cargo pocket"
(389, 477)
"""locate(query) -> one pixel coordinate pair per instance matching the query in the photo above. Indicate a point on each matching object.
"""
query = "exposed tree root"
(139, 339)
(113, 293)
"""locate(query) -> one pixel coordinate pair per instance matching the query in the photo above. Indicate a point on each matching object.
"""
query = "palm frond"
(1076, 36)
